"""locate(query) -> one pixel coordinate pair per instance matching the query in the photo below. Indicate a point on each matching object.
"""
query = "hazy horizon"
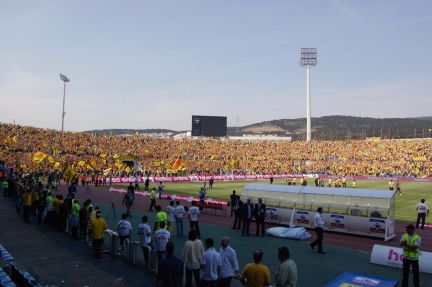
(153, 64)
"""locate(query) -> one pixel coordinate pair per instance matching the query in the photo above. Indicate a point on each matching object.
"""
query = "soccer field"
(405, 204)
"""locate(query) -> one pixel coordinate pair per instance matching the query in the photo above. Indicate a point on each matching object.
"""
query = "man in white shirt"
(319, 226)
(171, 216)
(193, 218)
(144, 232)
(229, 263)
(124, 230)
(162, 236)
(286, 276)
(210, 265)
(179, 214)
(422, 212)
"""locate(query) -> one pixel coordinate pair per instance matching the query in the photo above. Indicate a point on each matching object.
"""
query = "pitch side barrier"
(250, 177)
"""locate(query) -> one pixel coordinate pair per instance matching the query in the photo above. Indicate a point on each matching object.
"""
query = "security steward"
(161, 216)
(410, 243)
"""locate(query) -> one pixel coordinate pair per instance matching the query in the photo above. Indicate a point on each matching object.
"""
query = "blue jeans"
(179, 226)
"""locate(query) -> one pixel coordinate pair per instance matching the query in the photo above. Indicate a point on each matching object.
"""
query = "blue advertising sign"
(349, 279)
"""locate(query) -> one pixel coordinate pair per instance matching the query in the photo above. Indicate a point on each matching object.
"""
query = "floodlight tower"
(308, 59)
(65, 80)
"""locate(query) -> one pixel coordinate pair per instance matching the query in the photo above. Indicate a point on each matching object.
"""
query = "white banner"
(392, 256)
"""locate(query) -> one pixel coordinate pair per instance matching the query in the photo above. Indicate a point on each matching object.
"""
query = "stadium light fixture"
(308, 59)
(65, 80)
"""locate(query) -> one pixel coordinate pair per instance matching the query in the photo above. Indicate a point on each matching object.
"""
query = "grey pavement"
(55, 259)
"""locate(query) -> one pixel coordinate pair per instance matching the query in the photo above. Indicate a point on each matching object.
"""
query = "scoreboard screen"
(209, 126)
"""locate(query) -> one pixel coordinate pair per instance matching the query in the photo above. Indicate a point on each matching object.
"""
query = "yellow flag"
(89, 167)
(69, 173)
(14, 139)
(51, 159)
(106, 171)
(128, 170)
(56, 165)
(81, 163)
(116, 156)
(103, 155)
(118, 165)
(93, 163)
(39, 156)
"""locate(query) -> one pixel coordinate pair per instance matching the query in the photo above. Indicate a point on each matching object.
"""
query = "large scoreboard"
(209, 126)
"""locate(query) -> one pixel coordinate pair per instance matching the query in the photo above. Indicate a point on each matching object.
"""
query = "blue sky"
(152, 64)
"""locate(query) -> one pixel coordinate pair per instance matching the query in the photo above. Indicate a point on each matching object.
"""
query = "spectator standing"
(144, 233)
(229, 263)
(160, 190)
(191, 255)
(247, 214)
(286, 275)
(170, 270)
(233, 201)
(179, 214)
(161, 216)
(162, 236)
(152, 199)
(124, 230)
(256, 274)
(137, 182)
(422, 212)
(238, 215)
(211, 181)
(319, 226)
(171, 216)
(194, 217)
(27, 203)
(210, 265)
(146, 184)
(84, 221)
(128, 200)
(260, 213)
(98, 226)
(74, 220)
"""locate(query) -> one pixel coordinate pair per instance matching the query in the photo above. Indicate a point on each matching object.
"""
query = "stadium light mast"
(65, 80)
(308, 59)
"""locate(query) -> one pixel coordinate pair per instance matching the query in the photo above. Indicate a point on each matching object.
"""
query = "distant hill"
(341, 127)
(326, 128)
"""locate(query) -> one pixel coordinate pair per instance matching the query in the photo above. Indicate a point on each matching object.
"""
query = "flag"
(64, 78)
(56, 165)
(14, 139)
(116, 156)
(157, 163)
(106, 171)
(103, 155)
(128, 170)
(118, 165)
(69, 173)
(51, 159)
(81, 163)
(39, 156)
(89, 167)
(177, 164)
(93, 163)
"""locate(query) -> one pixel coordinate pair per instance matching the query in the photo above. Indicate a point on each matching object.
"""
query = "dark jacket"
(260, 211)
(245, 211)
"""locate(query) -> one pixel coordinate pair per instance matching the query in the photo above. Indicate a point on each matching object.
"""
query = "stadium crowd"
(106, 153)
